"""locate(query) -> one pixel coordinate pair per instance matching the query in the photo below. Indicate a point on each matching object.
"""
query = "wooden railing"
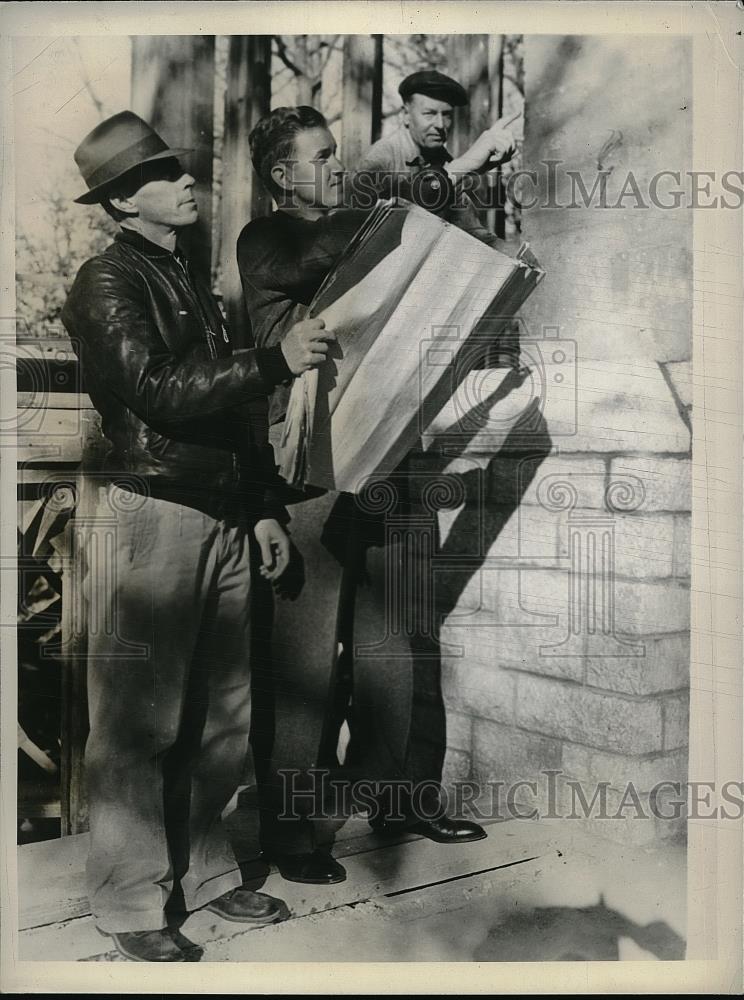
(59, 444)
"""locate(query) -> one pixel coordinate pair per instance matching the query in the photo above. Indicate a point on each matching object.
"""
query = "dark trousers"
(337, 650)
(169, 698)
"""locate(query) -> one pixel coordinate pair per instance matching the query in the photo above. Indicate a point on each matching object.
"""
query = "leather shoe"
(450, 831)
(318, 868)
(442, 830)
(246, 906)
(152, 946)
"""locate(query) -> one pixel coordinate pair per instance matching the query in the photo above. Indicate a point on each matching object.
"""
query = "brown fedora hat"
(115, 147)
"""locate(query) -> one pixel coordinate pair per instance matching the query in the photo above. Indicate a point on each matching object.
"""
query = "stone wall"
(567, 616)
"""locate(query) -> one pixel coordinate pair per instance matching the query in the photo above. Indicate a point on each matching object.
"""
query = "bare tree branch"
(332, 47)
(97, 103)
(283, 53)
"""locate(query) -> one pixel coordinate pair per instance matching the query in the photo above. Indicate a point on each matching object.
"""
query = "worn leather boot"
(247, 907)
(153, 946)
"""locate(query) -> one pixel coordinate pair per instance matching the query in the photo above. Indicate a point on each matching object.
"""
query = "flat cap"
(433, 84)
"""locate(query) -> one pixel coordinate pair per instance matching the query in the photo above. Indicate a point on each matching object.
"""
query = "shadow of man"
(359, 638)
(575, 934)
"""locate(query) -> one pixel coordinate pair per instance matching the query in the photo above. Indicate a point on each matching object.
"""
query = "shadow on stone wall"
(477, 519)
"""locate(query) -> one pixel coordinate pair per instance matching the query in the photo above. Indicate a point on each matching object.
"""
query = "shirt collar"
(413, 155)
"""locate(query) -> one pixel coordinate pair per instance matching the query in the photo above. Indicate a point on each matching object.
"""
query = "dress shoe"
(153, 946)
(318, 868)
(442, 830)
(450, 831)
(247, 907)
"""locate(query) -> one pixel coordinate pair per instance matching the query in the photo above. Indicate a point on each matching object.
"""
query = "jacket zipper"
(210, 343)
(207, 328)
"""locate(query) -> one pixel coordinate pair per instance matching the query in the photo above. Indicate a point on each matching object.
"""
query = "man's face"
(165, 196)
(428, 121)
(314, 175)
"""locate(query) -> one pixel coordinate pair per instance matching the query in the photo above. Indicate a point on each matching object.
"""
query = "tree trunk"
(244, 197)
(173, 90)
(362, 95)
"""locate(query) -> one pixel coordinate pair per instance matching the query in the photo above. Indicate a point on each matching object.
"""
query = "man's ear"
(281, 175)
(123, 205)
(406, 115)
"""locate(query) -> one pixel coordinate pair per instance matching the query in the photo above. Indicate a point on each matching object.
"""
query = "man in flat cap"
(187, 493)
(429, 99)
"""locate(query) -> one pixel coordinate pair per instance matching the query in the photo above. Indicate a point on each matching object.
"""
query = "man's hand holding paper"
(306, 345)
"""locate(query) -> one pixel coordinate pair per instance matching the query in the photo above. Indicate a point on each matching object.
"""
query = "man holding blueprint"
(285, 263)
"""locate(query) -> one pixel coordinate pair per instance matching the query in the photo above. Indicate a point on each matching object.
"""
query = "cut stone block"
(622, 407)
(584, 715)
(459, 731)
(664, 666)
(644, 546)
(666, 480)
(677, 720)
(651, 608)
(526, 536)
(474, 690)
(586, 763)
(682, 546)
(575, 403)
(456, 767)
(503, 753)
(535, 480)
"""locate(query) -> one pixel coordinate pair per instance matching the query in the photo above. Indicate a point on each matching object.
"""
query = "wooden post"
(248, 98)
(496, 74)
(173, 90)
(362, 95)
(469, 64)
(496, 216)
(74, 646)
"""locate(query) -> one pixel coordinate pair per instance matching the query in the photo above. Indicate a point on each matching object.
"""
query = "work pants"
(168, 591)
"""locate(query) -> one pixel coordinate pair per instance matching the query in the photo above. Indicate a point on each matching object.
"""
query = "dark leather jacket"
(184, 410)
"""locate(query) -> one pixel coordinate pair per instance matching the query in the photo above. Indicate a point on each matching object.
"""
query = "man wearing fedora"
(429, 101)
(188, 485)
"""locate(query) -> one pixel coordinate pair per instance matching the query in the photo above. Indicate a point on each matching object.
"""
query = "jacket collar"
(145, 246)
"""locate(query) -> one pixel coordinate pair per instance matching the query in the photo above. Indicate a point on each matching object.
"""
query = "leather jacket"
(184, 410)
